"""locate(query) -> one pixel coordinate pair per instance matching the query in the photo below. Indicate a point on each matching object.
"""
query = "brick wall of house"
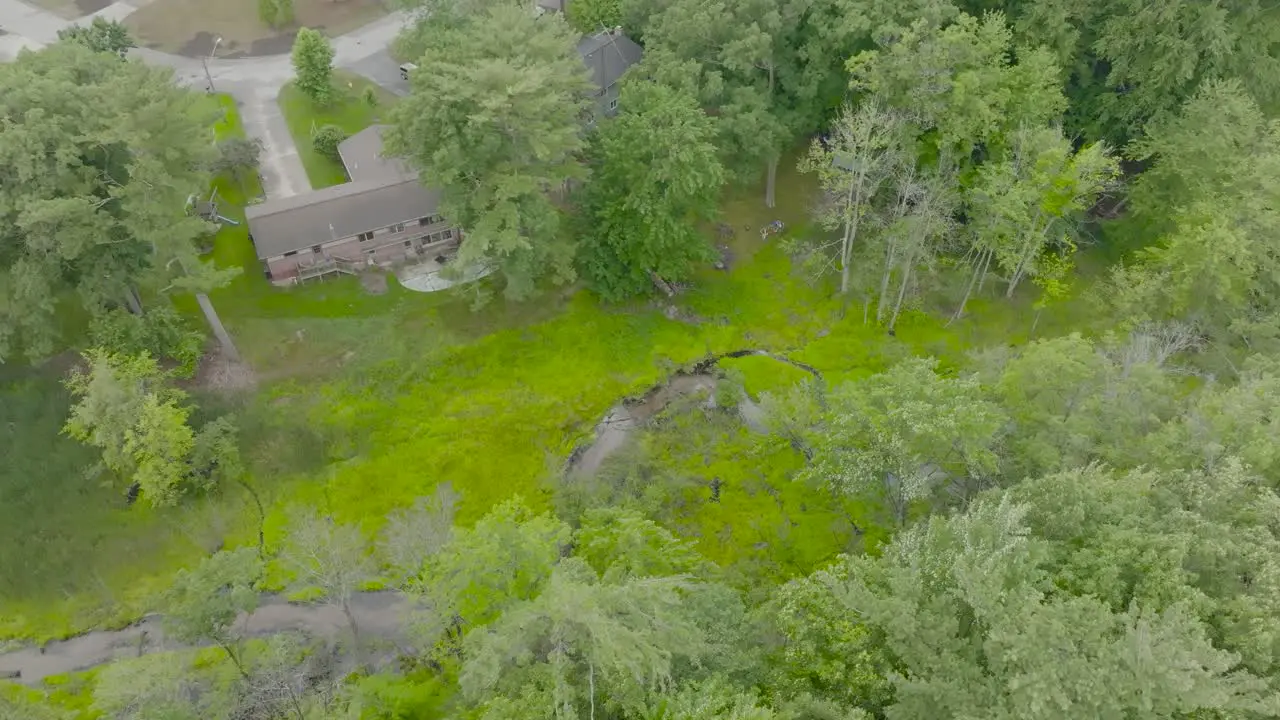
(387, 246)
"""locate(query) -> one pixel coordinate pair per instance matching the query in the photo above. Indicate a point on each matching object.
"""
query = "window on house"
(423, 222)
(448, 234)
(365, 236)
(408, 243)
(291, 253)
(315, 249)
(398, 227)
(613, 104)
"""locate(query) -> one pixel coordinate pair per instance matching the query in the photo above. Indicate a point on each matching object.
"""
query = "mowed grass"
(190, 27)
(348, 110)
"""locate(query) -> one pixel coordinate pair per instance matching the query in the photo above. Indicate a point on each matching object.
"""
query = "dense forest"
(991, 427)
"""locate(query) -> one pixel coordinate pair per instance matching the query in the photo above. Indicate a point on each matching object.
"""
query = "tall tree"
(125, 408)
(860, 154)
(494, 119)
(313, 65)
(414, 535)
(237, 157)
(93, 237)
(899, 435)
(1024, 204)
(916, 227)
(976, 629)
(655, 177)
(592, 16)
(204, 603)
(1165, 538)
(330, 557)
(958, 84)
(731, 54)
(100, 35)
(1132, 62)
(505, 558)
(584, 642)
(1207, 201)
(1211, 198)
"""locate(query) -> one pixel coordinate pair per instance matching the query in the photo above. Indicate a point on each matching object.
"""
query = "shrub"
(326, 139)
(160, 332)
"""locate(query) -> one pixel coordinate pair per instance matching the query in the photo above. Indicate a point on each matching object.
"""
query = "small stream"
(380, 615)
(612, 431)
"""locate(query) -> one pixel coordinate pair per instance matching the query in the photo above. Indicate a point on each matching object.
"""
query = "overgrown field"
(364, 403)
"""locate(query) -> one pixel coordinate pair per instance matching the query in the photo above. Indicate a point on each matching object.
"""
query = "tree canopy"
(98, 160)
(494, 120)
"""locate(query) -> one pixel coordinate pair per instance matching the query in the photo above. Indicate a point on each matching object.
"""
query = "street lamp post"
(205, 63)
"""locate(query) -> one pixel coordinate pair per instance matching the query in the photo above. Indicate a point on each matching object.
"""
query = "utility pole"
(205, 62)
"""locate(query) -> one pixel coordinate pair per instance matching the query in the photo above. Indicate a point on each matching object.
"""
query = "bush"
(326, 139)
(160, 332)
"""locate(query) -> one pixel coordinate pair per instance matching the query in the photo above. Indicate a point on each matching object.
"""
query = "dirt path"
(379, 615)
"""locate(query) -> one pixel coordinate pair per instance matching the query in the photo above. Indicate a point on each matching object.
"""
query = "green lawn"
(348, 111)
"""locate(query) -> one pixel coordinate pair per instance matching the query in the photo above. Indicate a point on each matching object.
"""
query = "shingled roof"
(608, 55)
(383, 191)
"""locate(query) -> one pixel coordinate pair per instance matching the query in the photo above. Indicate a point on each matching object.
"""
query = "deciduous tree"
(505, 558)
(957, 83)
(732, 55)
(1025, 203)
(494, 120)
(655, 178)
(237, 158)
(414, 535)
(313, 65)
(1134, 62)
(853, 162)
(94, 237)
(898, 435)
(585, 642)
(100, 35)
(592, 16)
(204, 603)
(125, 408)
(976, 629)
(328, 556)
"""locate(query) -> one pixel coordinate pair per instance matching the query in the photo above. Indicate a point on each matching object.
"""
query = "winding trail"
(380, 615)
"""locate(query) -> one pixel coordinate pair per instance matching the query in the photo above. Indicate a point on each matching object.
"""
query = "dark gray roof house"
(608, 55)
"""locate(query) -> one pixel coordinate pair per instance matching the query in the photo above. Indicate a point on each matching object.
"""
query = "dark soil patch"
(91, 6)
(275, 45)
(201, 45)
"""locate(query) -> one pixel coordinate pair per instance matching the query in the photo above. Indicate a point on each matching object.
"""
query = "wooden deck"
(328, 266)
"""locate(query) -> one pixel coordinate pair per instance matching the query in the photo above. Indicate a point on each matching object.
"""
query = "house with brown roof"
(381, 217)
(384, 215)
